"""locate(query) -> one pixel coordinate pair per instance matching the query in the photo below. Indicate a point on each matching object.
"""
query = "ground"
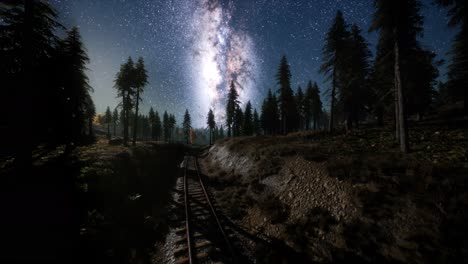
(332, 198)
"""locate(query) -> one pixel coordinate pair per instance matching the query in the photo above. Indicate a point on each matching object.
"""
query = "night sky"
(194, 48)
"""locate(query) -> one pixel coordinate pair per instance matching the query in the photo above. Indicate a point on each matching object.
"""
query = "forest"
(88, 186)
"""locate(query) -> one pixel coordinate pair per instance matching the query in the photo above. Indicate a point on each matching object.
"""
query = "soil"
(347, 196)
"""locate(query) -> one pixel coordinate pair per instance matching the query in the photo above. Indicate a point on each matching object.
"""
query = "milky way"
(194, 48)
(220, 54)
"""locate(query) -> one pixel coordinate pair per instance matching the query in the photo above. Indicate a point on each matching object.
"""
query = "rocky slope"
(367, 203)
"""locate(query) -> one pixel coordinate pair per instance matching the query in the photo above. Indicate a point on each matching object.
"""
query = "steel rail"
(213, 212)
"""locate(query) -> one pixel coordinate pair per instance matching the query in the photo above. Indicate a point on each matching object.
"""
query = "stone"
(290, 195)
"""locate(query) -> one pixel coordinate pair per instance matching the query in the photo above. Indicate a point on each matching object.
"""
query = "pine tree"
(221, 132)
(124, 85)
(286, 98)
(187, 126)
(166, 126)
(354, 94)
(238, 122)
(115, 120)
(316, 102)
(152, 122)
(458, 69)
(231, 106)
(210, 121)
(335, 58)
(140, 79)
(308, 105)
(399, 23)
(108, 120)
(300, 104)
(248, 127)
(270, 115)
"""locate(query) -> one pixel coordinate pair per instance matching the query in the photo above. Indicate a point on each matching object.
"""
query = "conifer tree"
(458, 69)
(125, 89)
(317, 111)
(140, 79)
(248, 127)
(210, 121)
(152, 122)
(335, 57)
(286, 98)
(300, 104)
(157, 126)
(108, 121)
(115, 120)
(187, 126)
(237, 126)
(231, 106)
(166, 126)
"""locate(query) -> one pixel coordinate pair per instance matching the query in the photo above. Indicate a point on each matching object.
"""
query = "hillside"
(331, 198)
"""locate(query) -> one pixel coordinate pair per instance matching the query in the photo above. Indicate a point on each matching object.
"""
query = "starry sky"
(194, 48)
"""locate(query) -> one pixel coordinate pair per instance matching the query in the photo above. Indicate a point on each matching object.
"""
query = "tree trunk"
(401, 106)
(108, 131)
(136, 118)
(397, 126)
(115, 130)
(125, 123)
(332, 102)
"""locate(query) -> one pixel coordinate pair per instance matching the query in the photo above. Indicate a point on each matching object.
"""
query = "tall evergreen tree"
(221, 132)
(238, 122)
(458, 68)
(108, 121)
(140, 79)
(166, 126)
(115, 120)
(300, 104)
(187, 126)
(316, 102)
(286, 98)
(231, 106)
(124, 85)
(270, 114)
(248, 126)
(210, 121)
(307, 105)
(354, 94)
(399, 23)
(152, 122)
(335, 57)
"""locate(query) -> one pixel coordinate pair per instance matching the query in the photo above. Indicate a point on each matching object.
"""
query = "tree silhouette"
(157, 132)
(108, 121)
(231, 106)
(286, 98)
(335, 58)
(458, 68)
(399, 23)
(238, 122)
(316, 104)
(187, 126)
(300, 104)
(115, 120)
(140, 79)
(166, 126)
(152, 122)
(270, 116)
(354, 94)
(210, 121)
(248, 126)
(123, 84)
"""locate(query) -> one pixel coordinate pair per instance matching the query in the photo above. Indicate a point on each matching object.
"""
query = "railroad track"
(201, 238)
